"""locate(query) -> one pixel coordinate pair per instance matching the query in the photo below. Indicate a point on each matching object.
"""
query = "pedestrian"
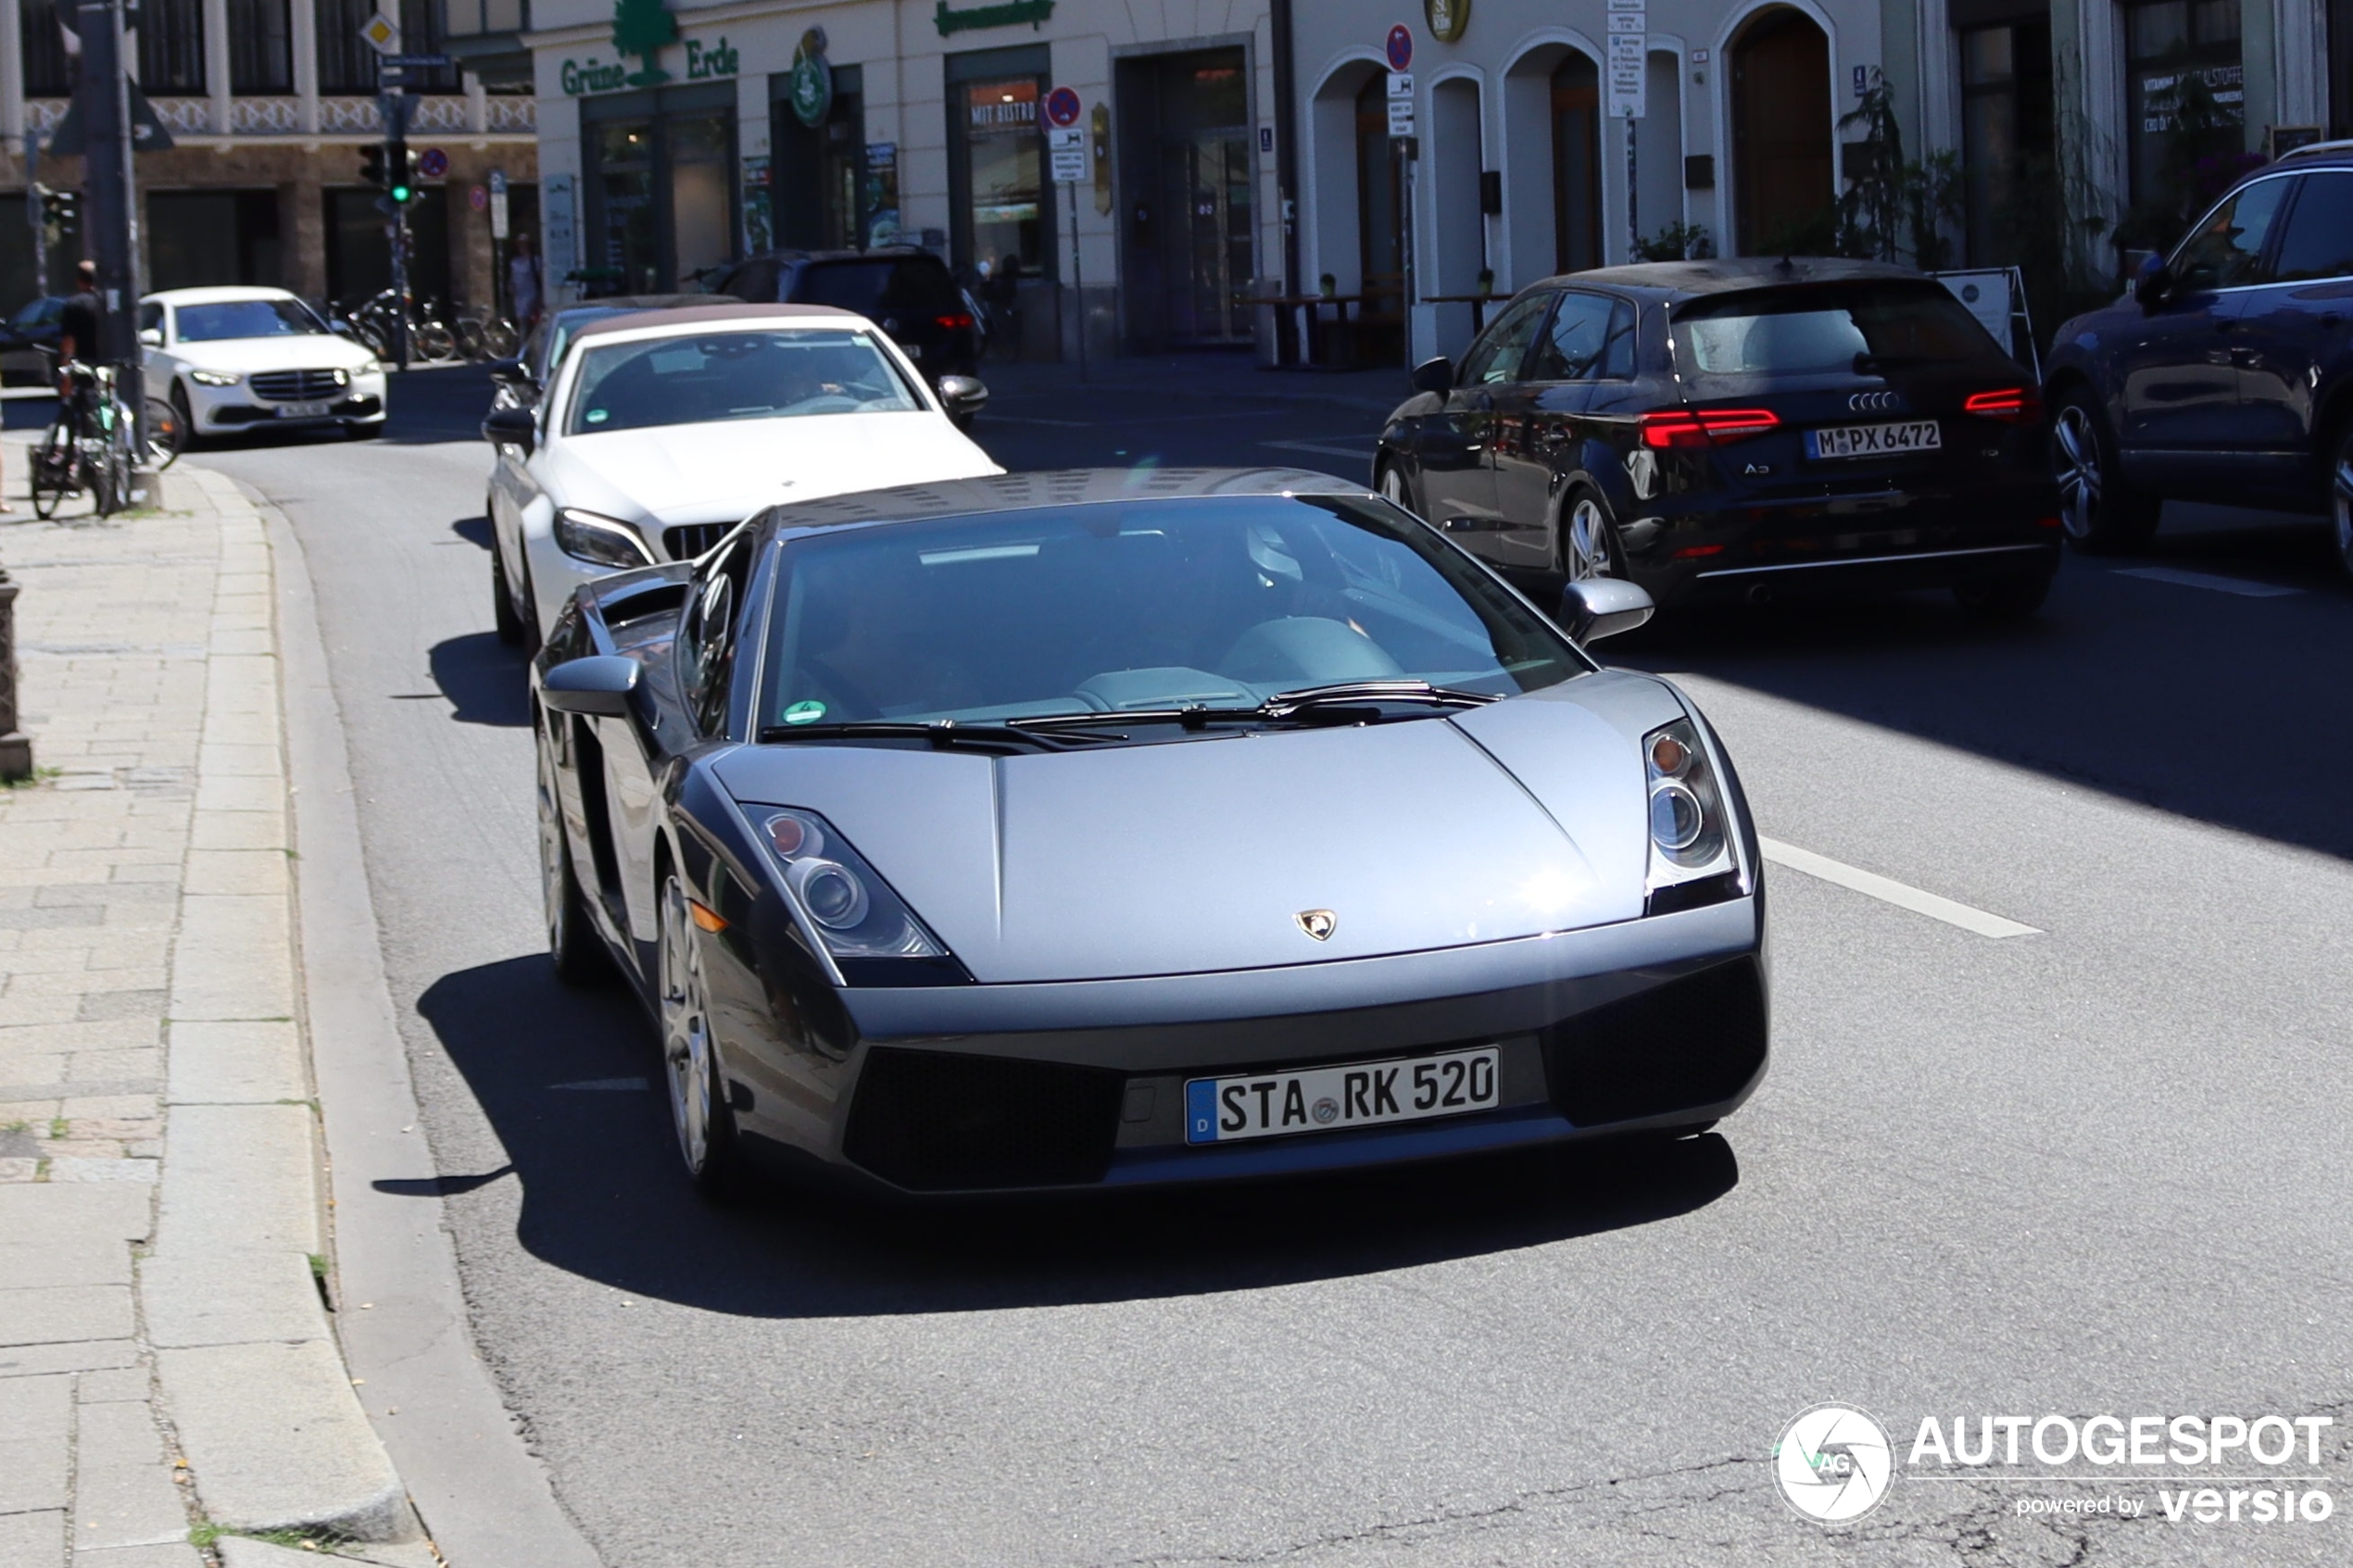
(524, 280)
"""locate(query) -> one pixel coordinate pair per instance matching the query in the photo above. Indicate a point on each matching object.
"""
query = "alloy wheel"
(1392, 489)
(686, 1031)
(2076, 461)
(1585, 549)
(554, 883)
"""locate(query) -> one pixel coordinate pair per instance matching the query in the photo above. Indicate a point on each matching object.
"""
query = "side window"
(706, 646)
(1575, 342)
(2318, 242)
(151, 317)
(2226, 251)
(1617, 357)
(1497, 354)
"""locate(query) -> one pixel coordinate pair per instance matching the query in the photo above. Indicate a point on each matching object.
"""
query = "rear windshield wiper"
(945, 733)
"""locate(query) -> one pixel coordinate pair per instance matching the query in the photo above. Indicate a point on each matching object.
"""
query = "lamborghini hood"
(1205, 855)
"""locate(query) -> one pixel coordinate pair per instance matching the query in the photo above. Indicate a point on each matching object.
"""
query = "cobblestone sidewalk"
(157, 1141)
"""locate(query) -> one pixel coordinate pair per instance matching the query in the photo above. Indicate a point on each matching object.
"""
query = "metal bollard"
(16, 750)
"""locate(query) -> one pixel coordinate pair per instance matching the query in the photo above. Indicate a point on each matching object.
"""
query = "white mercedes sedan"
(236, 359)
(659, 432)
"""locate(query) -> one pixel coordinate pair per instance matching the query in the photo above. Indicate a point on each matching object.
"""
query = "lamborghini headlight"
(1691, 855)
(600, 540)
(843, 903)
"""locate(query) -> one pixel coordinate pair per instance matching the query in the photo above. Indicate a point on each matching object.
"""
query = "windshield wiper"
(1339, 702)
(945, 733)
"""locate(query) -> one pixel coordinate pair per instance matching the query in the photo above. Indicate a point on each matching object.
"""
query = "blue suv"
(2227, 375)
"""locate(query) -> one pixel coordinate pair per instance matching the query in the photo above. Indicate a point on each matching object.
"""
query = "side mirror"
(599, 685)
(1603, 606)
(151, 337)
(511, 427)
(2154, 283)
(512, 372)
(963, 397)
(1434, 375)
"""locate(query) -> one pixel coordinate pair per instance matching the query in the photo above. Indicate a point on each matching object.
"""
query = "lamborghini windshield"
(1132, 606)
(733, 375)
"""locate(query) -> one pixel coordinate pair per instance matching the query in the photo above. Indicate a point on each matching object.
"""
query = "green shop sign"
(643, 28)
(812, 80)
(1012, 13)
(705, 61)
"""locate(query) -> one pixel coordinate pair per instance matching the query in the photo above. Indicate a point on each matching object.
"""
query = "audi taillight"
(2011, 405)
(953, 323)
(1706, 427)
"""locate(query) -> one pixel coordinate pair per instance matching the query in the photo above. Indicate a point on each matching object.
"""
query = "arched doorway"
(1577, 164)
(1380, 206)
(1782, 180)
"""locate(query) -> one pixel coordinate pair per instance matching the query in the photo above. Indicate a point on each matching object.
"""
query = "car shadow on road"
(483, 680)
(603, 1195)
(474, 530)
(2173, 695)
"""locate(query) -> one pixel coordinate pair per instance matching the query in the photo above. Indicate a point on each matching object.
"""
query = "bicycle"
(87, 447)
(486, 335)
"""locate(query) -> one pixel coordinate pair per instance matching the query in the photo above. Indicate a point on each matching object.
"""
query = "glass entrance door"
(1207, 178)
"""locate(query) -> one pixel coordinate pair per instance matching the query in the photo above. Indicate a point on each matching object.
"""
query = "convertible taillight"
(1706, 427)
(2011, 405)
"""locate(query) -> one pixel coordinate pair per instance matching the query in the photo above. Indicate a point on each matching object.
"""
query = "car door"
(2295, 337)
(2176, 374)
(1458, 485)
(1539, 420)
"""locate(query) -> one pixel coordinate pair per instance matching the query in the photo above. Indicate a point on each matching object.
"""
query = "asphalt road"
(2098, 1169)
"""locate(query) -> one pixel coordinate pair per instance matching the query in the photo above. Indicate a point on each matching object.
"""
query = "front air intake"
(1692, 1042)
(940, 1122)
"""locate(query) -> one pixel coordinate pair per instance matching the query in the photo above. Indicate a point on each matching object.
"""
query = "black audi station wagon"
(1738, 430)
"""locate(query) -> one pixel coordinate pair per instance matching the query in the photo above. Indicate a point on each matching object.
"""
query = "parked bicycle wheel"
(499, 338)
(53, 463)
(165, 435)
(435, 341)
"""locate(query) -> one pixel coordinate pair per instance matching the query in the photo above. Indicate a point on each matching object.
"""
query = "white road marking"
(605, 1085)
(1891, 891)
(2238, 586)
(1329, 448)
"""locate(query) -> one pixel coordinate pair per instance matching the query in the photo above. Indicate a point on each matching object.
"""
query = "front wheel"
(1395, 490)
(2099, 512)
(699, 1114)
(53, 465)
(166, 435)
(502, 600)
(573, 943)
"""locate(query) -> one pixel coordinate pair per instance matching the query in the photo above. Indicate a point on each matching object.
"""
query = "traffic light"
(401, 164)
(372, 165)
(58, 210)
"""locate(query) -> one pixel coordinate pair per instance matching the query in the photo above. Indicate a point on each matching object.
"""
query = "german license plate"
(1327, 1099)
(1873, 441)
(302, 410)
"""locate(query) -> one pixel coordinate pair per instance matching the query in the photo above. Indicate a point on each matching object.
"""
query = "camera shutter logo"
(1833, 1465)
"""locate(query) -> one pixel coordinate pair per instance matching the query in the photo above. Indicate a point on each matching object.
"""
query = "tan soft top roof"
(732, 315)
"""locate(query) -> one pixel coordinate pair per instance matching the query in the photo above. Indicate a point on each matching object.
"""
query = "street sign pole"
(1067, 155)
(392, 106)
(1629, 93)
(104, 97)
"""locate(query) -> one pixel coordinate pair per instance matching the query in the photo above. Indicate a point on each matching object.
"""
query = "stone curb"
(252, 1378)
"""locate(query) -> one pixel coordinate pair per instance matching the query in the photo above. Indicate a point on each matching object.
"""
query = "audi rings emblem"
(1876, 402)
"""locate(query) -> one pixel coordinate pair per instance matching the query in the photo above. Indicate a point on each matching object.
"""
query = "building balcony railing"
(450, 114)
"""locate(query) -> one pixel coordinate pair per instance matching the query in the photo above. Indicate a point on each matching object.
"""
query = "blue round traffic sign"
(1401, 47)
(1062, 106)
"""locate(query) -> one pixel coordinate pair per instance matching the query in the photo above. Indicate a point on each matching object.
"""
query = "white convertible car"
(659, 432)
(235, 359)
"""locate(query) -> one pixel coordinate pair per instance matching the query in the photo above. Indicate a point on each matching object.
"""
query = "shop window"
(421, 33)
(2185, 98)
(702, 216)
(1001, 226)
(659, 189)
(625, 259)
(198, 239)
(820, 171)
(47, 73)
(172, 48)
(260, 46)
(2008, 177)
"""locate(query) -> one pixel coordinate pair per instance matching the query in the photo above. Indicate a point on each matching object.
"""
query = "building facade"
(269, 104)
(735, 128)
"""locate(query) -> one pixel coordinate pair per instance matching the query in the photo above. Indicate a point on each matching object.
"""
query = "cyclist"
(80, 331)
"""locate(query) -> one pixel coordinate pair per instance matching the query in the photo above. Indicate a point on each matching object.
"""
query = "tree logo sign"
(643, 28)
